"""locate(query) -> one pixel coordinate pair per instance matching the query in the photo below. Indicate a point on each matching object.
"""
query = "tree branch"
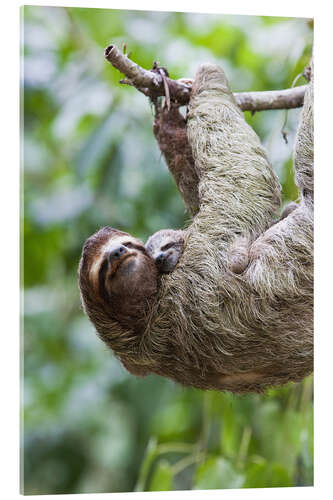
(151, 83)
(271, 99)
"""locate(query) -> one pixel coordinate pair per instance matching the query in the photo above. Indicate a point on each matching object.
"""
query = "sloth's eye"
(136, 246)
(167, 246)
(128, 244)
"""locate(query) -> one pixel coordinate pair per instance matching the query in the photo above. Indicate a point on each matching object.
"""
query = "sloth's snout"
(160, 258)
(117, 252)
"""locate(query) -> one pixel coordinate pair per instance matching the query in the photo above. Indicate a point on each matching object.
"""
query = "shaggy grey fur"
(212, 328)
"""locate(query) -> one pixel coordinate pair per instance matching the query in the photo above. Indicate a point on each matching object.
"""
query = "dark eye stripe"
(130, 244)
(139, 247)
(101, 279)
(167, 246)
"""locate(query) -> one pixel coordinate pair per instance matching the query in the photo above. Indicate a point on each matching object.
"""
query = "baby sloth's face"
(165, 247)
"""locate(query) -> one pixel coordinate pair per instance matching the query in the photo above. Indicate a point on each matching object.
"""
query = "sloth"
(201, 324)
(165, 247)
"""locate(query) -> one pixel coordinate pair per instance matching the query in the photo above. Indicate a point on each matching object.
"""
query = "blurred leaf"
(289, 189)
(162, 477)
(217, 473)
(230, 432)
(172, 421)
(265, 475)
(150, 454)
(104, 137)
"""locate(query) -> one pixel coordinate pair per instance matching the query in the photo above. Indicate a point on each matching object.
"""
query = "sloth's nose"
(117, 252)
(159, 259)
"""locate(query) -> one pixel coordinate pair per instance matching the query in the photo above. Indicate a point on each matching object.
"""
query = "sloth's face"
(117, 278)
(116, 268)
(122, 267)
(165, 247)
(167, 257)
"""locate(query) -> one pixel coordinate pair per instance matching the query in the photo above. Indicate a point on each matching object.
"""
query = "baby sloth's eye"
(167, 246)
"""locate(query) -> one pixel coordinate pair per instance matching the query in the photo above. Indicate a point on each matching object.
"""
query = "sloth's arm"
(238, 190)
(304, 156)
(283, 256)
(170, 133)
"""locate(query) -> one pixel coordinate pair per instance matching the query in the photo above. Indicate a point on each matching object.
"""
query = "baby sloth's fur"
(165, 247)
(207, 326)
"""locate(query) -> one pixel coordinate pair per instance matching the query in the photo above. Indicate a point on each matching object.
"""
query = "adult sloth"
(204, 325)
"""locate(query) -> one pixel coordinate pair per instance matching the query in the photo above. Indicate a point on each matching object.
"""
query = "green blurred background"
(90, 160)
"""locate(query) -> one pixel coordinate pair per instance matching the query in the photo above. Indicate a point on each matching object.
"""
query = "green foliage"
(162, 477)
(217, 473)
(90, 160)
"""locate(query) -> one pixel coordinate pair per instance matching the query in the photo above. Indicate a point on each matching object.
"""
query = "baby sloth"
(165, 247)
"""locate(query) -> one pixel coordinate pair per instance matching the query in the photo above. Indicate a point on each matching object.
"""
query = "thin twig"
(244, 445)
(153, 451)
(151, 83)
(166, 88)
(283, 130)
(186, 462)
